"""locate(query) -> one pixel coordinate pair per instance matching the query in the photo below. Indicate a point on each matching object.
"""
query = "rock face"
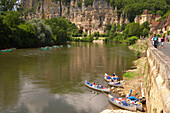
(92, 19)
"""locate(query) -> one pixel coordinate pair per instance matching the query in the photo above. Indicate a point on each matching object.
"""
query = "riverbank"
(134, 78)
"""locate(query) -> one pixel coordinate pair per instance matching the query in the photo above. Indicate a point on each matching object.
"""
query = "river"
(52, 81)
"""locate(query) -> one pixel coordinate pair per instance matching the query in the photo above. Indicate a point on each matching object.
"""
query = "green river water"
(52, 81)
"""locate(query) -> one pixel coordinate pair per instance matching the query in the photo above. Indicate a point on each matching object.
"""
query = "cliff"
(92, 18)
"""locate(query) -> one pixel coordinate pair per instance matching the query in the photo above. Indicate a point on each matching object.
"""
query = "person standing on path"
(155, 39)
(162, 41)
(159, 41)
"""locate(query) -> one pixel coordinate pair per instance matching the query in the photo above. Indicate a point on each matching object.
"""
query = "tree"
(12, 18)
(8, 5)
(43, 31)
(113, 29)
(145, 32)
(5, 31)
(145, 25)
(61, 28)
(132, 29)
(26, 36)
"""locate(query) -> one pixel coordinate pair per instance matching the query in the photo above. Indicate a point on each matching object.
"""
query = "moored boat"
(97, 87)
(55, 46)
(68, 46)
(6, 50)
(122, 103)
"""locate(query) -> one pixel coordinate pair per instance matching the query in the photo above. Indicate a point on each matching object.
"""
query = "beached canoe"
(116, 84)
(112, 81)
(122, 103)
(6, 50)
(97, 87)
(109, 77)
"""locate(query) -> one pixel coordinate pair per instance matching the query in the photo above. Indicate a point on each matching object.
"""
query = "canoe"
(55, 46)
(136, 102)
(110, 80)
(43, 48)
(68, 46)
(109, 77)
(116, 84)
(6, 50)
(97, 87)
(121, 103)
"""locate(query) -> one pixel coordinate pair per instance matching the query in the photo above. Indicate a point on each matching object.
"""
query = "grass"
(130, 75)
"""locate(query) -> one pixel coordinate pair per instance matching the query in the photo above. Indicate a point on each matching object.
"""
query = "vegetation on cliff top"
(134, 7)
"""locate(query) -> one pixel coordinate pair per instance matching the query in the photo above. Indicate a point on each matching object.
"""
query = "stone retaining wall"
(157, 81)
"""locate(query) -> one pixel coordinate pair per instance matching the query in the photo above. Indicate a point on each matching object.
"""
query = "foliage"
(62, 29)
(43, 31)
(96, 34)
(132, 29)
(132, 40)
(136, 7)
(79, 3)
(11, 18)
(87, 39)
(130, 75)
(108, 26)
(8, 5)
(26, 36)
(165, 15)
(103, 35)
(168, 32)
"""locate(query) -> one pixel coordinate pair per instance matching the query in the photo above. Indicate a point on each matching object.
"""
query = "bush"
(130, 75)
(132, 40)
(86, 39)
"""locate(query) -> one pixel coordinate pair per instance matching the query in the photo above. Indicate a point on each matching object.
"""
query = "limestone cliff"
(92, 18)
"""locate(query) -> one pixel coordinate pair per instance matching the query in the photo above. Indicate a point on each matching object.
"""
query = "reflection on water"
(52, 81)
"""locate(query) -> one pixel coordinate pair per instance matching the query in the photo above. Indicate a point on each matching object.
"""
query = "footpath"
(165, 49)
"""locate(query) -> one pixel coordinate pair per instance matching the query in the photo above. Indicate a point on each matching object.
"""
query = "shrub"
(132, 40)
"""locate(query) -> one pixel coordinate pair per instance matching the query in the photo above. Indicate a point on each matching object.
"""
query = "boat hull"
(107, 90)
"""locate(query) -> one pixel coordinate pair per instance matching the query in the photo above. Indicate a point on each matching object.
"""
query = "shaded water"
(52, 81)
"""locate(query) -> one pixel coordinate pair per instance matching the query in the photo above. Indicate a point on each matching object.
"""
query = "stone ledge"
(162, 64)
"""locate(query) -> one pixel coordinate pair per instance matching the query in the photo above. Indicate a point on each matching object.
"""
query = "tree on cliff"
(8, 5)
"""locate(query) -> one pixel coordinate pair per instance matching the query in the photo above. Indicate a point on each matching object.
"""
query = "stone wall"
(157, 81)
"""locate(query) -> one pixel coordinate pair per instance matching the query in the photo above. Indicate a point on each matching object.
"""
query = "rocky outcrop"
(92, 19)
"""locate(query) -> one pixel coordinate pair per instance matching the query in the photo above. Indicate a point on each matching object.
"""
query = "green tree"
(145, 25)
(132, 29)
(43, 31)
(8, 5)
(113, 29)
(12, 18)
(61, 28)
(5, 31)
(26, 36)
(145, 32)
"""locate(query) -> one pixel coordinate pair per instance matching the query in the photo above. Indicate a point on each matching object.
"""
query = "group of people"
(158, 41)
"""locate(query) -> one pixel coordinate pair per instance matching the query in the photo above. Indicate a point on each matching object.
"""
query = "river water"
(52, 81)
